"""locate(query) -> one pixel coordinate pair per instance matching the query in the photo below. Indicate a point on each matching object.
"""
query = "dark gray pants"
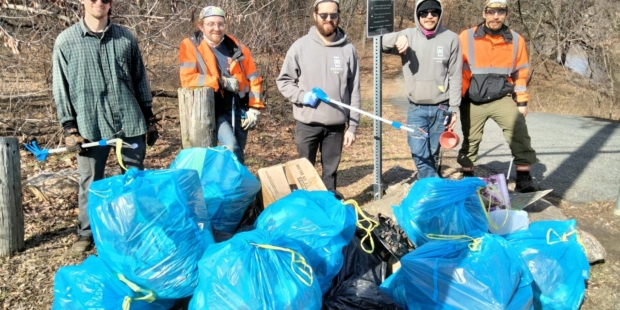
(329, 139)
(91, 166)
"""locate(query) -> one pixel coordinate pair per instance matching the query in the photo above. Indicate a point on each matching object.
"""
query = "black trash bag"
(221, 236)
(392, 237)
(249, 217)
(357, 284)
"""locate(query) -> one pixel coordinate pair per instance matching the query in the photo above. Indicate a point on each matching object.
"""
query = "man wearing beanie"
(432, 63)
(495, 70)
(212, 58)
(323, 58)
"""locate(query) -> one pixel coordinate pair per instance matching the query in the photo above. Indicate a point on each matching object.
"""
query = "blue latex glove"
(321, 94)
(310, 99)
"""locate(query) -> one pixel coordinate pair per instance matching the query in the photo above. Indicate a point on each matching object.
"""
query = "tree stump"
(197, 116)
(11, 213)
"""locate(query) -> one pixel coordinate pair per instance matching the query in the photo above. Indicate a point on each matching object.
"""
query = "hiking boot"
(526, 184)
(468, 174)
(337, 194)
(83, 244)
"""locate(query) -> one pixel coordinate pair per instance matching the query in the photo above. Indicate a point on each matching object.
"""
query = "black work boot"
(525, 183)
(468, 172)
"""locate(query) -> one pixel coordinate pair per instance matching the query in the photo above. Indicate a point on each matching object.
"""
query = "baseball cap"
(497, 4)
(211, 11)
(316, 2)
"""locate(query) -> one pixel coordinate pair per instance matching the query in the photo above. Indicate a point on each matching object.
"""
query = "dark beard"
(319, 26)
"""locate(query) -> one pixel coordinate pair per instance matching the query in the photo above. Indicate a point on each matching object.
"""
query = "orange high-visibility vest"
(494, 66)
(198, 68)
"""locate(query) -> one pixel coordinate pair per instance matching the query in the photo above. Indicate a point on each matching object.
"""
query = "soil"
(26, 279)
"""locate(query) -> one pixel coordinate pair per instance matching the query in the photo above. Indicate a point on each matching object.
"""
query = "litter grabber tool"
(41, 154)
(324, 97)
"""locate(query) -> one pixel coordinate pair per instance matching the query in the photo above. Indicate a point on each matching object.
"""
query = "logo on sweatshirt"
(337, 68)
(440, 51)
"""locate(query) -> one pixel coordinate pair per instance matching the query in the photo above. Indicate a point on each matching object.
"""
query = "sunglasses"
(332, 16)
(102, 1)
(425, 14)
(500, 12)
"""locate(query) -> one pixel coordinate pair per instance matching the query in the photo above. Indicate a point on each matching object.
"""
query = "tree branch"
(24, 8)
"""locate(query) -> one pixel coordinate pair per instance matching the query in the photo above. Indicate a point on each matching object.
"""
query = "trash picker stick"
(321, 95)
(91, 144)
(509, 168)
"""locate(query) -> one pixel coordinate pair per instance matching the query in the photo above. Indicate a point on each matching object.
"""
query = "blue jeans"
(425, 151)
(236, 140)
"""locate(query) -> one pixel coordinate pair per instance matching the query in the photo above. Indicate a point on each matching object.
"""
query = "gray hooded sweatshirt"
(333, 67)
(432, 67)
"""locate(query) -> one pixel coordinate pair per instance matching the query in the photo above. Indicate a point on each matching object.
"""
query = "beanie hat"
(429, 5)
(316, 2)
(211, 11)
(497, 4)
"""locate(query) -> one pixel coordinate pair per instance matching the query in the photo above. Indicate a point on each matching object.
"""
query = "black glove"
(73, 140)
(151, 131)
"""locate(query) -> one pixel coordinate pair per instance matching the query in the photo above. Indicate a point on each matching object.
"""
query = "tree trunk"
(197, 116)
(11, 213)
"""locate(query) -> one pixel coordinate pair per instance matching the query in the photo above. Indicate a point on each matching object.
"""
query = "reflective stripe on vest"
(202, 68)
(490, 70)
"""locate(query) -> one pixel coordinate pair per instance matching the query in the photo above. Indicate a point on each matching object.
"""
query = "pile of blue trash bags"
(154, 232)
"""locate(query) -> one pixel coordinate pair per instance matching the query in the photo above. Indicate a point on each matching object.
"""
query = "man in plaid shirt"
(101, 92)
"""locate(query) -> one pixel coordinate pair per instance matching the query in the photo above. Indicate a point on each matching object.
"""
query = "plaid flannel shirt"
(100, 84)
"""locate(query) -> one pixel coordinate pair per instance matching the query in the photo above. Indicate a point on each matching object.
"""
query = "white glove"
(251, 119)
(229, 83)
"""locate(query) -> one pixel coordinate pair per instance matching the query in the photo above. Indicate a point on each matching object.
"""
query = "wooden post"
(11, 213)
(197, 115)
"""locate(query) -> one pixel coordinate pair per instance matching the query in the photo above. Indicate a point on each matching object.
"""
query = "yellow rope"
(148, 297)
(486, 213)
(100, 194)
(372, 225)
(305, 269)
(474, 245)
(493, 224)
(564, 238)
(119, 157)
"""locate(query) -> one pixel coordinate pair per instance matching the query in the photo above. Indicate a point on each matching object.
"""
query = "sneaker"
(83, 244)
(526, 184)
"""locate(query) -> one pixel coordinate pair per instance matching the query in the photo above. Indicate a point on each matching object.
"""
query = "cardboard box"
(280, 180)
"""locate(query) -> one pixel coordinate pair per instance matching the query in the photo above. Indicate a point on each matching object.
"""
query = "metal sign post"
(380, 21)
(377, 187)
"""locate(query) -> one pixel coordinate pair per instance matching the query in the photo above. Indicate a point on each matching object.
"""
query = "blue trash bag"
(481, 273)
(254, 270)
(443, 207)
(228, 186)
(92, 285)
(557, 260)
(152, 228)
(322, 225)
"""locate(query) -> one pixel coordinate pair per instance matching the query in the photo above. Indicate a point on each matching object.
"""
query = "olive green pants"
(505, 113)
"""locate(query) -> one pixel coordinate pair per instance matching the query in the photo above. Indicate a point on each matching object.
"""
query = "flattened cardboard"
(280, 180)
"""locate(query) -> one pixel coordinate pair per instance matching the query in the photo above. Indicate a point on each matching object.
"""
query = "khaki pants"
(505, 113)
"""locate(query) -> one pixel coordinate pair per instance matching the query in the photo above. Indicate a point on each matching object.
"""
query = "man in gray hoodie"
(432, 64)
(325, 59)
